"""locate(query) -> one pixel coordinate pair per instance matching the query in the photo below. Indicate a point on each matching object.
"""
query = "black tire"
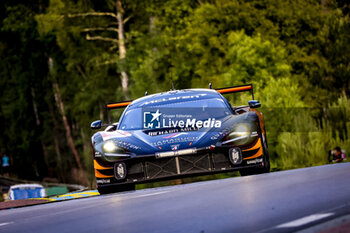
(259, 170)
(116, 189)
(266, 168)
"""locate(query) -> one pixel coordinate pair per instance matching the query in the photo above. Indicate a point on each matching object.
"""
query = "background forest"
(61, 61)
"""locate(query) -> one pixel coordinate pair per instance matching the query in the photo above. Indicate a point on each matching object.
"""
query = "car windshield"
(161, 115)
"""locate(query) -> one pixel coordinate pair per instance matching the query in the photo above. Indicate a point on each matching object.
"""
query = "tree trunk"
(122, 49)
(101, 111)
(38, 124)
(57, 145)
(60, 104)
(69, 136)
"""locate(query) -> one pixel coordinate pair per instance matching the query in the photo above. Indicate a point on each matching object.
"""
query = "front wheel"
(116, 189)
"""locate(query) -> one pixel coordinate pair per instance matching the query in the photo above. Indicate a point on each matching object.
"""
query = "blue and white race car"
(176, 134)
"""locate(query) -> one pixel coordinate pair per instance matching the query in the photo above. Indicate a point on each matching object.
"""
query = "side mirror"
(96, 124)
(254, 104)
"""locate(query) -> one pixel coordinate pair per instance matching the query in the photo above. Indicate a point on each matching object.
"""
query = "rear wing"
(116, 105)
(228, 90)
(122, 104)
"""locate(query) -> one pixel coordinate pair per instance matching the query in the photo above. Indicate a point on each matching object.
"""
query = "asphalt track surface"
(276, 202)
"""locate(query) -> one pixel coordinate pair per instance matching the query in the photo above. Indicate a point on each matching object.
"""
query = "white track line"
(5, 223)
(150, 194)
(305, 220)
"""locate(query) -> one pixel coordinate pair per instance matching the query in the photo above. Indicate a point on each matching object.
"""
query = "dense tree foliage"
(62, 60)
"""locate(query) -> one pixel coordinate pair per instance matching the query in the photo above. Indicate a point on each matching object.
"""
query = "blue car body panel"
(139, 146)
(140, 143)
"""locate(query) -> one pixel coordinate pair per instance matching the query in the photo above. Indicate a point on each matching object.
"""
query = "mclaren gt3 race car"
(176, 134)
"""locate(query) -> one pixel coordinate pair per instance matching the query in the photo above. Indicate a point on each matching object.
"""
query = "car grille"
(152, 168)
(221, 161)
(194, 163)
(161, 168)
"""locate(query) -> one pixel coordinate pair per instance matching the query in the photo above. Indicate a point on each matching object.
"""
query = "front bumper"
(150, 168)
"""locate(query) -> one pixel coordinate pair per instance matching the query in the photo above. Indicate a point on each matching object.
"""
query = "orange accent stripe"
(99, 175)
(118, 105)
(235, 89)
(259, 153)
(99, 167)
(256, 146)
(261, 119)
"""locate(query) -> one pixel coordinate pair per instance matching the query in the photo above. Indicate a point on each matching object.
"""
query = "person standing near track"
(5, 164)
(337, 155)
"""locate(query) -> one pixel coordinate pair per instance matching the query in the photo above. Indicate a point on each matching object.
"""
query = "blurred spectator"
(336, 155)
(5, 164)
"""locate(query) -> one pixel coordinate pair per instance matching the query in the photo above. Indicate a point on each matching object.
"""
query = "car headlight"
(112, 152)
(241, 130)
(109, 147)
(241, 135)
